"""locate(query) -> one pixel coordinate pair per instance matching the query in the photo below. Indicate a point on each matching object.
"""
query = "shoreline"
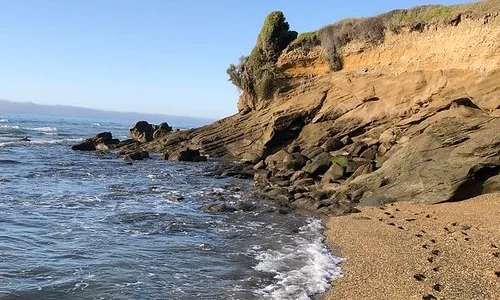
(418, 251)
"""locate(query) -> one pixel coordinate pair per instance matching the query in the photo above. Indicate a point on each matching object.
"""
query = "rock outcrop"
(102, 141)
(411, 113)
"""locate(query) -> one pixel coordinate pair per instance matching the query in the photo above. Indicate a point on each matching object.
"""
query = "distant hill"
(72, 111)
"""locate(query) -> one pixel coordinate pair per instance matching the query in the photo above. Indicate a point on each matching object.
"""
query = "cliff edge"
(402, 106)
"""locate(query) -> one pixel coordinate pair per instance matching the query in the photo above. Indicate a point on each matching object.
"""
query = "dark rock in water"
(25, 139)
(4, 180)
(142, 131)
(126, 142)
(244, 206)
(102, 147)
(139, 155)
(100, 141)
(87, 145)
(187, 154)
(218, 208)
(165, 156)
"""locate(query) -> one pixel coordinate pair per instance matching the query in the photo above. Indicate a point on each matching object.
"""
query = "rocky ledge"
(406, 109)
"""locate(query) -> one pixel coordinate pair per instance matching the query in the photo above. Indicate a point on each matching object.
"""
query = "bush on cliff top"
(256, 73)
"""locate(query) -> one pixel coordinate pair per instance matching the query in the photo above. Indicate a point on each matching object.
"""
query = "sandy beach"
(419, 251)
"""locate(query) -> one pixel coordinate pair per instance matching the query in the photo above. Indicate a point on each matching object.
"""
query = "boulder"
(369, 153)
(250, 158)
(312, 152)
(357, 148)
(299, 175)
(491, 185)
(275, 158)
(332, 144)
(187, 154)
(317, 167)
(302, 182)
(362, 170)
(260, 165)
(335, 172)
(295, 161)
(104, 139)
(262, 177)
(346, 140)
(142, 131)
(161, 130)
(387, 136)
(293, 149)
(87, 145)
(138, 155)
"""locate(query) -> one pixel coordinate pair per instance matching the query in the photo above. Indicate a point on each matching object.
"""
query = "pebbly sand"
(419, 251)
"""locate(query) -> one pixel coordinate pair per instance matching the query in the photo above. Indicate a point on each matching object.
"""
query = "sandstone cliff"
(417, 114)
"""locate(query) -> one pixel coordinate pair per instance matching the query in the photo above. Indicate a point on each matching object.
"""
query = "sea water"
(82, 225)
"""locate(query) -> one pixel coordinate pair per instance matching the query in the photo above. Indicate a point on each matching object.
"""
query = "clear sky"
(149, 56)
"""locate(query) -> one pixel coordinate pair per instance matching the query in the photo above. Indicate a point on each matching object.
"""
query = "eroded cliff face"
(408, 98)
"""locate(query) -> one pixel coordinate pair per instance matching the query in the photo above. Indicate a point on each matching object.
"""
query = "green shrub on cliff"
(336, 36)
(256, 74)
(305, 40)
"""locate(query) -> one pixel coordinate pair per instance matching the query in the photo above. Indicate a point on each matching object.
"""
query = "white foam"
(10, 126)
(301, 270)
(43, 129)
(39, 142)
(4, 121)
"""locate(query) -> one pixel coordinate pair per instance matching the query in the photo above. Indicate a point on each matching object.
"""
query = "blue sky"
(149, 56)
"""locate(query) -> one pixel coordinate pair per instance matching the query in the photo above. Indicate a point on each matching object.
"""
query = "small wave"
(10, 126)
(96, 124)
(43, 129)
(302, 270)
(9, 162)
(4, 121)
(23, 142)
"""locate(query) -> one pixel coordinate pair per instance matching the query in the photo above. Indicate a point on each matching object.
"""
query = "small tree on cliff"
(256, 74)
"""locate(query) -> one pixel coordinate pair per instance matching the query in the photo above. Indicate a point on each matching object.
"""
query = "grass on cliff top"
(429, 14)
(373, 30)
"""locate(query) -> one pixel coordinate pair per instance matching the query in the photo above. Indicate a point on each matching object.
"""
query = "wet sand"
(419, 251)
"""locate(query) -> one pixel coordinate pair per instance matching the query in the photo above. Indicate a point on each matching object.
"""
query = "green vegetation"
(340, 160)
(335, 36)
(306, 39)
(256, 73)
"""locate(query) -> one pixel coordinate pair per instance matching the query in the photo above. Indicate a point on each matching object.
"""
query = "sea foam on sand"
(301, 270)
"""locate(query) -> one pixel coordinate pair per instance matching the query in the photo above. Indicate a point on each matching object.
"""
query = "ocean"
(77, 225)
